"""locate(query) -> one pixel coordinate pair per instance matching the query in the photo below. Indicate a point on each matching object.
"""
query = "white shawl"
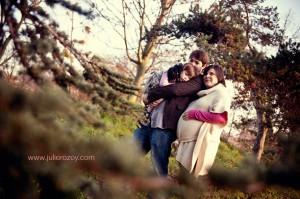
(199, 141)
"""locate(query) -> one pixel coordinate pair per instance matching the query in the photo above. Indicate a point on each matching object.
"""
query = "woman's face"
(187, 73)
(210, 79)
(185, 76)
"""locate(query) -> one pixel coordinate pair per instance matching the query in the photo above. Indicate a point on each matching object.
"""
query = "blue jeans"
(159, 142)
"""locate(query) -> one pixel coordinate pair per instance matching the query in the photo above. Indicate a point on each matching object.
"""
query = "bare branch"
(9, 38)
(165, 9)
(286, 20)
(125, 34)
(2, 12)
(132, 14)
(141, 27)
(7, 59)
(296, 34)
(14, 35)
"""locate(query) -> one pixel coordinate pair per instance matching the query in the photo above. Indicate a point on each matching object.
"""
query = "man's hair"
(200, 55)
(219, 72)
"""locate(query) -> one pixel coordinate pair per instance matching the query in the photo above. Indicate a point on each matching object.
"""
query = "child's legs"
(142, 137)
(161, 148)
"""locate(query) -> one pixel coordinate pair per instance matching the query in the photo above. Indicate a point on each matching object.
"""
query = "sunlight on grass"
(228, 156)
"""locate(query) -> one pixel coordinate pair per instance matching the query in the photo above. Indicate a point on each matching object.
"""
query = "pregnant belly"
(187, 130)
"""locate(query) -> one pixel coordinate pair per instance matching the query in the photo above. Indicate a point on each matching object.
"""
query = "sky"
(103, 40)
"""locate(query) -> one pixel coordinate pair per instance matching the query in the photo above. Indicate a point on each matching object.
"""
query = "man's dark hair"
(219, 72)
(200, 55)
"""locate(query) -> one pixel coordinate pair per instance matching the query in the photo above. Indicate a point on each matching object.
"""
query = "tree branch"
(9, 38)
(247, 26)
(7, 59)
(141, 27)
(165, 9)
(125, 35)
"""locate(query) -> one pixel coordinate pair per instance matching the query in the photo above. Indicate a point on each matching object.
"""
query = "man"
(158, 138)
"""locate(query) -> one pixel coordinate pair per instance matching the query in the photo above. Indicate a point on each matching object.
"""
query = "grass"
(228, 156)
(122, 126)
(114, 127)
(118, 126)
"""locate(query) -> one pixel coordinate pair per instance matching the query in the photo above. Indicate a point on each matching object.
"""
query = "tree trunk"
(138, 80)
(231, 126)
(259, 144)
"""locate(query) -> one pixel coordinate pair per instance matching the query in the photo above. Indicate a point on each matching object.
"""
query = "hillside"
(48, 123)
(228, 156)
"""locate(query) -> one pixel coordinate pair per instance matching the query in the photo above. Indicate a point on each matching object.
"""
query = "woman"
(200, 126)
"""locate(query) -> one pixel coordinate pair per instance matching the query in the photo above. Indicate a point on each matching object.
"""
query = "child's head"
(199, 58)
(174, 72)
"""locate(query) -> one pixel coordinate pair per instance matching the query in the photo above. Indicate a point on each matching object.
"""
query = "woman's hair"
(219, 72)
(191, 70)
(200, 55)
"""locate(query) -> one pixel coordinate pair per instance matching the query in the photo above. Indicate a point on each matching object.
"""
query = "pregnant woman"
(200, 126)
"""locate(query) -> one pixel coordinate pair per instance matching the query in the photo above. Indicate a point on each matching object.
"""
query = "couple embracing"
(189, 106)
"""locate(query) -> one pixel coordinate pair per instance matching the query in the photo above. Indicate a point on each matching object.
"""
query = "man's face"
(197, 63)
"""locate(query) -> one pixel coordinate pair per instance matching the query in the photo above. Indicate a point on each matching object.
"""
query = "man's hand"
(155, 103)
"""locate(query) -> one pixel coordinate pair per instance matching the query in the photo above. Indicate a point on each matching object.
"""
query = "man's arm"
(179, 89)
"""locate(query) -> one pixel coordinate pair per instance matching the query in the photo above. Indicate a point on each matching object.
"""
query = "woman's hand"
(190, 115)
(185, 116)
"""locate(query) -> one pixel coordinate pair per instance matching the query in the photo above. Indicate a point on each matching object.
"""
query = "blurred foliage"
(49, 122)
(252, 176)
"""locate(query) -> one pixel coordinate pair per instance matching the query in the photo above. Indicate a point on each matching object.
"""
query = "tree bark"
(138, 80)
(259, 144)
(231, 126)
